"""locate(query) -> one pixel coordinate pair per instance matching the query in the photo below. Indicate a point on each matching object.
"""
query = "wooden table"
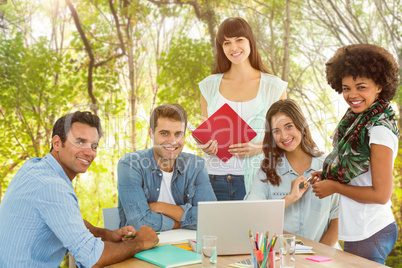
(339, 259)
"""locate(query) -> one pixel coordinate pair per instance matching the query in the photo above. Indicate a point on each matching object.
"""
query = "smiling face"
(236, 49)
(76, 154)
(286, 135)
(359, 94)
(168, 140)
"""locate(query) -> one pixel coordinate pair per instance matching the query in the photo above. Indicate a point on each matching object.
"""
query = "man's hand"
(172, 211)
(154, 207)
(146, 238)
(119, 234)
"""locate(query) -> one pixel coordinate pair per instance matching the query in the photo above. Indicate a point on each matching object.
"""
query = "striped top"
(40, 219)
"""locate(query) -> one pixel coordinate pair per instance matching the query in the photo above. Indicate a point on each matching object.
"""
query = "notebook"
(227, 127)
(231, 221)
(176, 236)
(169, 256)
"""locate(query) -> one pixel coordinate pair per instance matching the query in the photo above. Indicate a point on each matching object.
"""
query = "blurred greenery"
(156, 53)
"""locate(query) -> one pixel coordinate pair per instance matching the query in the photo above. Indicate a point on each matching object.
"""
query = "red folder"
(227, 127)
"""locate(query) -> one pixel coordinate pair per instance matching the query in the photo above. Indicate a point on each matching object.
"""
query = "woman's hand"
(243, 150)
(210, 148)
(295, 192)
(325, 188)
(315, 176)
(295, 189)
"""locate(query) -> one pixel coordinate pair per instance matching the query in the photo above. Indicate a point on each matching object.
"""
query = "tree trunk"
(286, 63)
(131, 76)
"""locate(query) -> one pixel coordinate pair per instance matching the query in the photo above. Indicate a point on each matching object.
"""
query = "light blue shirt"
(40, 219)
(309, 216)
(139, 183)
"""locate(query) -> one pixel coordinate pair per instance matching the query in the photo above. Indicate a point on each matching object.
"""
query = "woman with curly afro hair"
(365, 145)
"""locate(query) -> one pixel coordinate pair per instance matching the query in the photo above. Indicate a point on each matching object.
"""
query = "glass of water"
(209, 251)
(287, 250)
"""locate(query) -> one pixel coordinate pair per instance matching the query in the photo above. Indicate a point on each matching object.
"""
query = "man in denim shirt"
(161, 187)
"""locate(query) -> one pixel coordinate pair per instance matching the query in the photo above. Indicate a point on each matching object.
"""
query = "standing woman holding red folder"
(241, 80)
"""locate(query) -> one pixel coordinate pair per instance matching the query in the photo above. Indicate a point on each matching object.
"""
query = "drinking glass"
(209, 251)
(287, 250)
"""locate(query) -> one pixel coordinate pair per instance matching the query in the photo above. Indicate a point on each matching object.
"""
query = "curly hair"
(272, 153)
(364, 60)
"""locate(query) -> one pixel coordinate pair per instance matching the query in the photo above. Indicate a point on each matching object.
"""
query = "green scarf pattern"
(350, 156)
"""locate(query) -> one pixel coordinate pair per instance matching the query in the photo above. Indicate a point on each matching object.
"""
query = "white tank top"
(234, 165)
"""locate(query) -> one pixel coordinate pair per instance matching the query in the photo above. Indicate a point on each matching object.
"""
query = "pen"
(129, 236)
(302, 184)
(252, 242)
(273, 244)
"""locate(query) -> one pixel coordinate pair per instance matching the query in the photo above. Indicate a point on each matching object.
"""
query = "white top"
(270, 90)
(358, 221)
(165, 194)
(234, 165)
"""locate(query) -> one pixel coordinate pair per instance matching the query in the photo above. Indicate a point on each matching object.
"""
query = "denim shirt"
(139, 181)
(309, 216)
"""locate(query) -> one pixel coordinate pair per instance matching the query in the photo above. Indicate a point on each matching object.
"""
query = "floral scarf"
(350, 156)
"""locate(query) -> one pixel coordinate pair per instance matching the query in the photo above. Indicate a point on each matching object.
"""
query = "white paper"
(177, 236)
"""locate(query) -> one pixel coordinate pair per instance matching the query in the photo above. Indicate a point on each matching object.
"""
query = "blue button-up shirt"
(309, 216)
(139, 182)
(40, 219)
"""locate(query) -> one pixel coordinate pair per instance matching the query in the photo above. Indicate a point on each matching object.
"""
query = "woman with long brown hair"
(290, 156)
(241, 80)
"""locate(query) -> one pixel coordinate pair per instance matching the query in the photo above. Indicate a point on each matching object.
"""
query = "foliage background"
(122, 58)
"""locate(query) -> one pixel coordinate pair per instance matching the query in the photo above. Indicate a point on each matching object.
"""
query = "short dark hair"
(364, 60)
(172, 111)
(64, 123)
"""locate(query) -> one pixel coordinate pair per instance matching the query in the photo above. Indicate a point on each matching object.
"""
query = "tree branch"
(344, 22)
(88, 49)
(116, 19)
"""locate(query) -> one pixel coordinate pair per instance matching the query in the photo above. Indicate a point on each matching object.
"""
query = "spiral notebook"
(227, 127)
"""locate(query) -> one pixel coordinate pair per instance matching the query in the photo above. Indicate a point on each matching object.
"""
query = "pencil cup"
(271, 259)
(287, 250)
(209, 251)
(261, 260)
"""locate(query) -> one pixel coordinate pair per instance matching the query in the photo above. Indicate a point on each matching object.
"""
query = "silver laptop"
(231, 221)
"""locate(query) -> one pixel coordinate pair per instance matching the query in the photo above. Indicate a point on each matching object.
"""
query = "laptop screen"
(231, 221)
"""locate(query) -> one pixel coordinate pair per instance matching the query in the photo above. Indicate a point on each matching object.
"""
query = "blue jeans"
(228, 187)
(376, 247)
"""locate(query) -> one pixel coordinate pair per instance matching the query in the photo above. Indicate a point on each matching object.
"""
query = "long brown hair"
(272, 152)
(236, 27)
